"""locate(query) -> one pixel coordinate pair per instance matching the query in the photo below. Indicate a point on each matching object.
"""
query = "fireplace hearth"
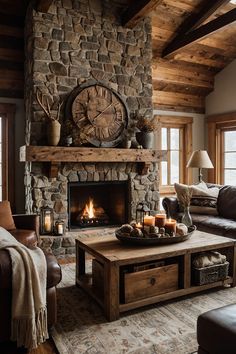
(93, 204)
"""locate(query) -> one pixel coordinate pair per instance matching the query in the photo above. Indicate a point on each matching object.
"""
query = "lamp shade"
(200, 159)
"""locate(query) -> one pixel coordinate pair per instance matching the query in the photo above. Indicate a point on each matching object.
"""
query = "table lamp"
(200, 159)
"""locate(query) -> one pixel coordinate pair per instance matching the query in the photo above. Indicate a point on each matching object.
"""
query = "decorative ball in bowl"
(152, 235)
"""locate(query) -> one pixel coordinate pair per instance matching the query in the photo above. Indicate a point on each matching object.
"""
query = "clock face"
(100, 114)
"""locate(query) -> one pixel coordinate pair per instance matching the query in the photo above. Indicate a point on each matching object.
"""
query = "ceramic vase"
(54, 133)
(145, 139)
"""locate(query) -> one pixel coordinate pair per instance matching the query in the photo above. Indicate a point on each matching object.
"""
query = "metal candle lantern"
(46, 221)
(59, 227)
(142, 210)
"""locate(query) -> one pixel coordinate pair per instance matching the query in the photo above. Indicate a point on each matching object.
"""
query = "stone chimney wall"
(79, 41)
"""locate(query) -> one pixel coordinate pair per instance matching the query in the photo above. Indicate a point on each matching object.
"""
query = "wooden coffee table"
(125, 277)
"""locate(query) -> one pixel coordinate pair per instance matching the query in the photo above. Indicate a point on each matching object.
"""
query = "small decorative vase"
(54, 133)
(186, 218)
(145, 139)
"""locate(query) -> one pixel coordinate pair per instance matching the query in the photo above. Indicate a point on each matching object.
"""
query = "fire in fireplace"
(92, 215)
(92, 204)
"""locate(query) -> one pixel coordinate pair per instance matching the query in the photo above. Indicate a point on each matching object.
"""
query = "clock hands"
(98, 115)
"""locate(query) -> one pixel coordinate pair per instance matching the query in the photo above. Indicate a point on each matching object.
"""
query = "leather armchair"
(26, 232)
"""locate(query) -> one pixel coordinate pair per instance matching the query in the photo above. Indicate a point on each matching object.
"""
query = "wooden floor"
(46, 348)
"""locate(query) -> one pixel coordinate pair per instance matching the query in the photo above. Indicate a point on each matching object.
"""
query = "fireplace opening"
(93, 204)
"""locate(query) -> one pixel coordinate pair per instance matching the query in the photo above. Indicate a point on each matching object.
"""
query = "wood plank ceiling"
(182, 80)
(183, 72)
(12, 15)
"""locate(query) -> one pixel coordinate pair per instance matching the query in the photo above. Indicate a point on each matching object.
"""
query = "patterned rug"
(165, 328)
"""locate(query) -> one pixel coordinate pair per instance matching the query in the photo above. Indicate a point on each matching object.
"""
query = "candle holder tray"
(152, 239)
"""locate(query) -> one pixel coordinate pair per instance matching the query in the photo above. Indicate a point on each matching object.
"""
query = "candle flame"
(89, 209)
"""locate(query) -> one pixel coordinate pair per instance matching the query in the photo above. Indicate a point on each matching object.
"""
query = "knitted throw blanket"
(29, 273)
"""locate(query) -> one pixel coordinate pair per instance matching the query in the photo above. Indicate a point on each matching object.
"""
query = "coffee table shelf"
(171, 278)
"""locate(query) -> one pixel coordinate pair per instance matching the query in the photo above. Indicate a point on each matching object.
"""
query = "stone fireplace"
(78, 41)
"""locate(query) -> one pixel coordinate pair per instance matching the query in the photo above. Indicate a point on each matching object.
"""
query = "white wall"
(19, 141)
(223, 98)
(198, 131)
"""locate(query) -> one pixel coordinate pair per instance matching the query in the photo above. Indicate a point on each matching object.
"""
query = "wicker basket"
(210, 274)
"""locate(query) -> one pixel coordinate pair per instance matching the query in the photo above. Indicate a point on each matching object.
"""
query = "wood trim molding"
(216, 123)
(7, 112)
(174, 119)
(186, 124)
(222, 118)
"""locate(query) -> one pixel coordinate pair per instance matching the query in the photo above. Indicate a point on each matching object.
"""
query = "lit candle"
(160, 220)
(149, 220)
(139, 226)
(60, 229)
(170, 225)
(47, 223)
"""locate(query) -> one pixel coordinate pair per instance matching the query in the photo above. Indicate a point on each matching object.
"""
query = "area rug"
(166, 328)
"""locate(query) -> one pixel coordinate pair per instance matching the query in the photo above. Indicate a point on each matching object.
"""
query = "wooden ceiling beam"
(200, 32)
(44, 5)
(196, 19)
(137, 10)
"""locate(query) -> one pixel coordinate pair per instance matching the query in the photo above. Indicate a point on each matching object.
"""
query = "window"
(7, 112)
(229, 157)
(175, 136)
(171, 140)
(222, 148)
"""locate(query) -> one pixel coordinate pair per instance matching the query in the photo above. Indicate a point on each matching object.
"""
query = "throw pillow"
(6, 219)
(203, 200)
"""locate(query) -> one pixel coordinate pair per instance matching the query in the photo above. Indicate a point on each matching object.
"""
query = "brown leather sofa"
(223, 224)
(216, 331)
(26, 232)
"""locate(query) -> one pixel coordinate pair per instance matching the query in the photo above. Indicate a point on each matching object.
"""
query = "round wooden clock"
(100, 114)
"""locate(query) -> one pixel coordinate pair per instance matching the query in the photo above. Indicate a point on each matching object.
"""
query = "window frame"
(7, 113)
(217, 125)
(185, 124)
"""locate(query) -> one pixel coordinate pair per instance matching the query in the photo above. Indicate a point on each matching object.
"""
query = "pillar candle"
(160, 220)
(47, 223)
(149, 220)
(170, 225)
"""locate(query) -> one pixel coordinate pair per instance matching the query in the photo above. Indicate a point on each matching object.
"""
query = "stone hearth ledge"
(64, 246)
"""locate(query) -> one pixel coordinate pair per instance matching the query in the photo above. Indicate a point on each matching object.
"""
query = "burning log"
(92, 216)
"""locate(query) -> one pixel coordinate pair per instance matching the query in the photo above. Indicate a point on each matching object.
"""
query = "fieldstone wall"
(53, 192)
(80, 41)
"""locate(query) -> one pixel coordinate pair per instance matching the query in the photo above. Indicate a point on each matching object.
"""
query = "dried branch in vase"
(185, 198)
(43, 101)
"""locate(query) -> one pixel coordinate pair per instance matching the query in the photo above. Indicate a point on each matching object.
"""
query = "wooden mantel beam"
(200, 32)
(137, 10)
(43, 5)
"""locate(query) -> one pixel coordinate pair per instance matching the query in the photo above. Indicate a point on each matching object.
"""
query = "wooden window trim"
(186, 124)
(7, 112)
(216, 125)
